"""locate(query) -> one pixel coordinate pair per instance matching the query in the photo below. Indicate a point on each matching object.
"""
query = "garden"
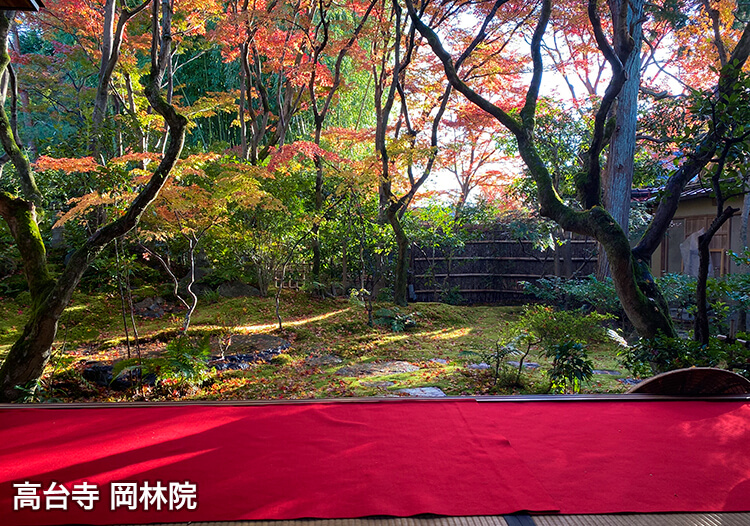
(570, 338)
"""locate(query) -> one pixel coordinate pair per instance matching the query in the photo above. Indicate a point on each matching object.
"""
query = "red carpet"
(334, 460)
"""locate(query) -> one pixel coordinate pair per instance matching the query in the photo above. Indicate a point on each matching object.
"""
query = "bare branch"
(529, 107)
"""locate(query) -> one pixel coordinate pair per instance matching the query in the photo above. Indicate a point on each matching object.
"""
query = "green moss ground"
(92, 329)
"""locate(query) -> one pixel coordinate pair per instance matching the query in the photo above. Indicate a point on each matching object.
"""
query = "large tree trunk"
(105, 74)
(316, 262)
(617, 178)
(641, 299)
(243, 124)
(112, 36)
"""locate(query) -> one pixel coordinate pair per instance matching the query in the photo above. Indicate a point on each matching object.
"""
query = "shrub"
(738, 356)
(561, 336)
(570, 294)
(393, 319)
(678, 290)
(496, 358)
(553, 327)
(661, 354)
(570, 366)
(452, 296)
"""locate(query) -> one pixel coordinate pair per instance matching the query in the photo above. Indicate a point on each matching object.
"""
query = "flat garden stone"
(376, 369)
(426, 392)
(611, 372)
(478, 366)
(439, 360)
(379, 385)
(250, 343)
(526, 365)
(323, 360)
(628, 381)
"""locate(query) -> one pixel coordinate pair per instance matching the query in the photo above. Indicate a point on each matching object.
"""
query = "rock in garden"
(607, 371)
(379, 385)
(101, 374)
(236, 289)
(376, 369)
(150, 307)
(526, 365)
(249, 348)
(427, 392)
(353, 370)
(323, 360)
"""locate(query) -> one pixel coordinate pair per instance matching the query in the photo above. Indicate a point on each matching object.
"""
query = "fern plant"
(183, 361)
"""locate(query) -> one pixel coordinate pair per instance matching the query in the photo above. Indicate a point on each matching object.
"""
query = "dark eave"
(21, 5)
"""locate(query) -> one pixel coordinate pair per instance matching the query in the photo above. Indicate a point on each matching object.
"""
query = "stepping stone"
(478, 366)
(323, 360)
(427, 392)
(378, 385)
(376, 369)
(352, 370)
(438, 360)
(628, 381)
(607, 371)
(526, 365)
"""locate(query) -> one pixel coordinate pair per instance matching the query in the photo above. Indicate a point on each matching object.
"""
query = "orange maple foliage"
(88, 202)
(282, 156)
(696, 55)
(474, 157)
(66, 164)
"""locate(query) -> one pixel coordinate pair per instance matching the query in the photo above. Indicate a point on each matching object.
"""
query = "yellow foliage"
(85, 203)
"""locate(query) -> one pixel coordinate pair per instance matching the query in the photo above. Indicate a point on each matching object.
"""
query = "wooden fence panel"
(491, 269)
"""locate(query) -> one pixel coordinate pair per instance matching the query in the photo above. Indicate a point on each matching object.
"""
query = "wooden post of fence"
(567, 251)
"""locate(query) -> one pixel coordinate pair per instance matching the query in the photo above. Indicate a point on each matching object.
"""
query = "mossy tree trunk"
(401, 274)
(638, 294)
(28, 356)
